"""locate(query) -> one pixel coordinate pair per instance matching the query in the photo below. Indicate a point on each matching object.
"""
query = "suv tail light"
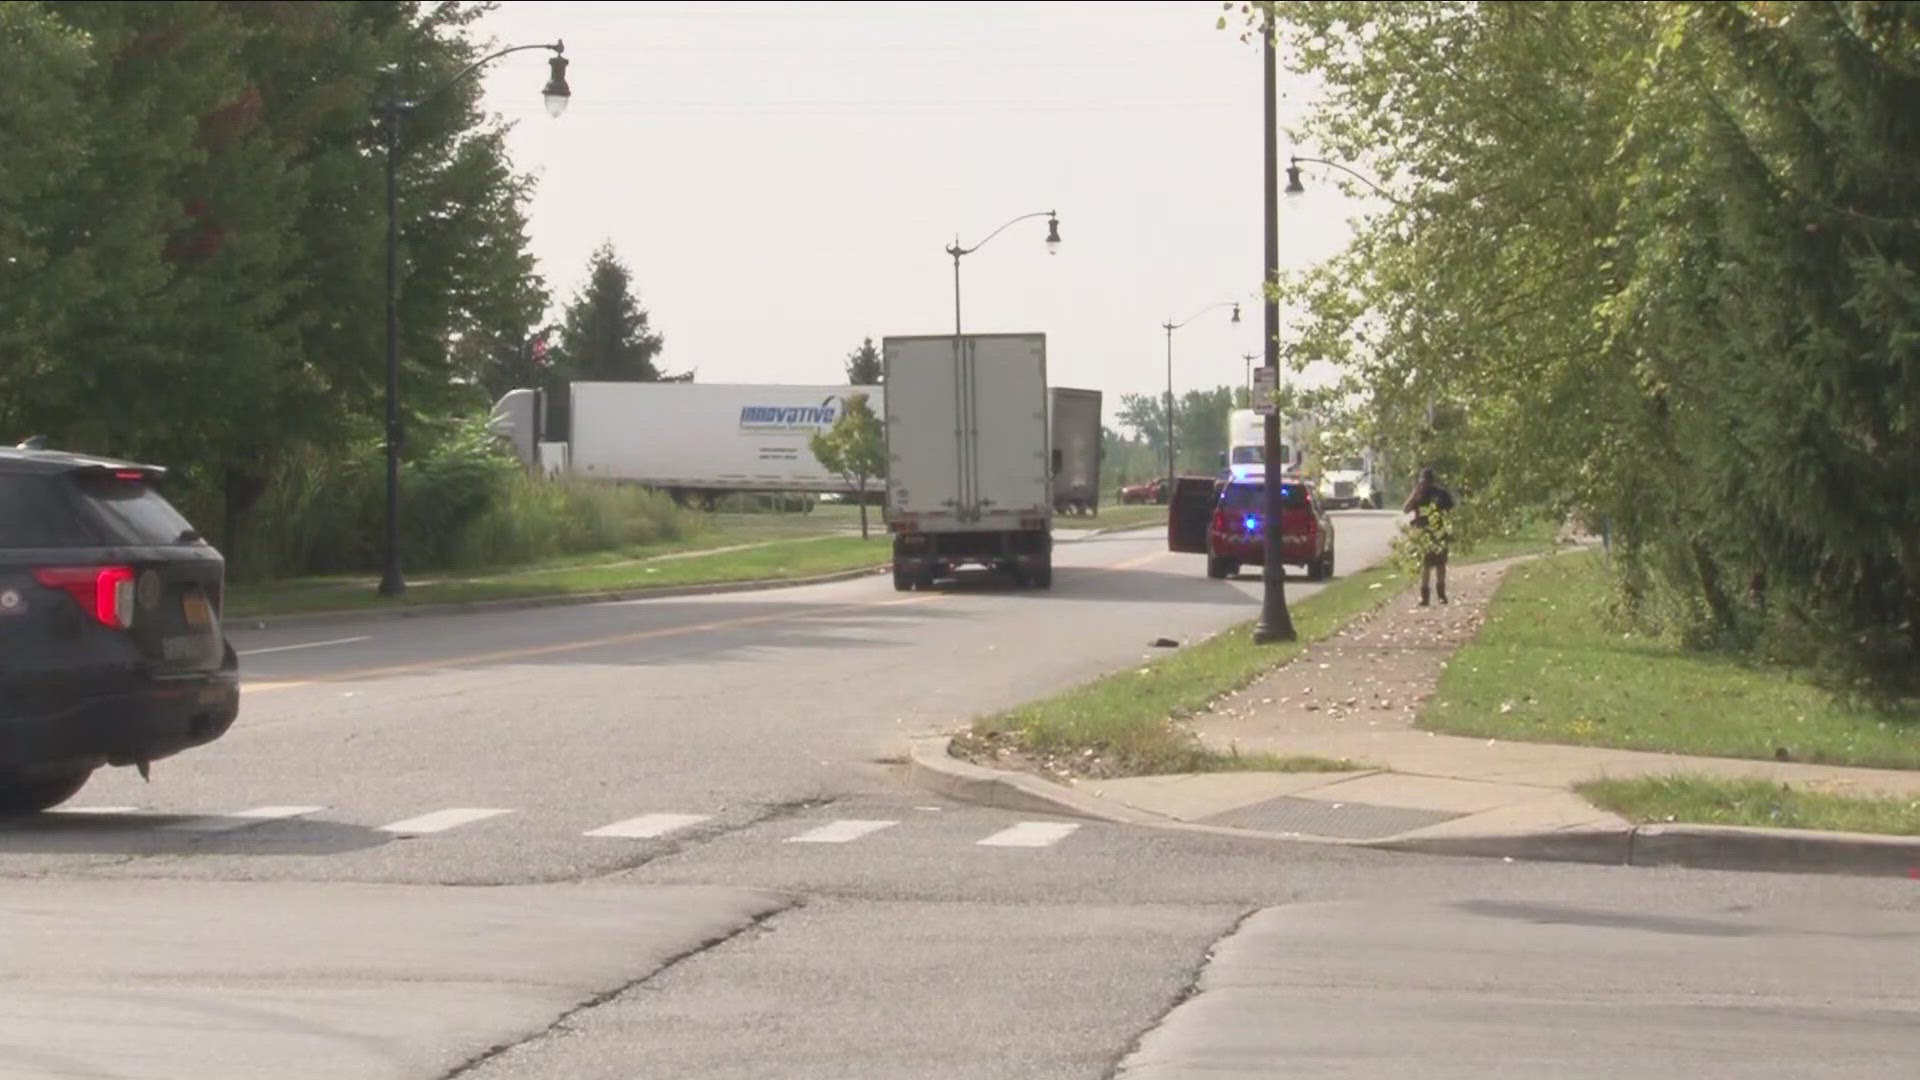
(105, 592)
(1220, 521)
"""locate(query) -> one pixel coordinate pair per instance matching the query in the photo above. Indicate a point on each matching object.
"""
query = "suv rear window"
(132, 512)
(52, 511)
(1254, 497)
(39, 511)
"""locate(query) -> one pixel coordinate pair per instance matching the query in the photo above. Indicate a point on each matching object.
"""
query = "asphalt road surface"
(669, 838)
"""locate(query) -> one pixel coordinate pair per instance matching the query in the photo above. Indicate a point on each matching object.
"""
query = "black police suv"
(111, 651)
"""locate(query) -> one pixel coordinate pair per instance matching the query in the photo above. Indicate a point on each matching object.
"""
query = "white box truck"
(1073, 417)
(968, 458)
(706, 439)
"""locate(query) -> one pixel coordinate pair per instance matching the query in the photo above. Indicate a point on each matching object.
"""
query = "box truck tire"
(1040, 575)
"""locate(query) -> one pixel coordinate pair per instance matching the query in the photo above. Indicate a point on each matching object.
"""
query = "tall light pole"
(391, 108)
(1249, 358)
(1170, 326)
(954, 249)
(1294, 187)
(1276, 622)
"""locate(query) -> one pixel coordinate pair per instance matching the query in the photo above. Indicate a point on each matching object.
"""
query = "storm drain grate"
(1315, 817)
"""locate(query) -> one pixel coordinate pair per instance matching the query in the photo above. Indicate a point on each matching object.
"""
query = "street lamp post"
(1249, 358)
(1170, 326)
(1295, 187)
(954, 249)
(1276, 623)
(391, 108)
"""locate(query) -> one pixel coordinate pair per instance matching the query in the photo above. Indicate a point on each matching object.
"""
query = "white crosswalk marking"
(241, 819)
(648, 825)
(1030, 834)
(440, 821)
(840, 832)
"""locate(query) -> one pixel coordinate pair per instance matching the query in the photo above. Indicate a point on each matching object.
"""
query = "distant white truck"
(1247, 442)
(1348, 483)
(1073, 418)
(696, 440)
(969, 477)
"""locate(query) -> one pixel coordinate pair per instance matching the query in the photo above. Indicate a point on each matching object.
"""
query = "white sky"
(782, 177)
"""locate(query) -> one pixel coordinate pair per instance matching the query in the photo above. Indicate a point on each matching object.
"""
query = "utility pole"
(1276, 623)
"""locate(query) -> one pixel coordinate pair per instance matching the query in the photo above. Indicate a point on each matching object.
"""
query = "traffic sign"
(1265, 390)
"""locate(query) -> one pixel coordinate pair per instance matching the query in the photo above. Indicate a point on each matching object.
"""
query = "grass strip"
(1711, 800)
(1127, 723)
(804, 557)
(1547, 668)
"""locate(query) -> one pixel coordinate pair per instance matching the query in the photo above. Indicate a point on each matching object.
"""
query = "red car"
(1151, 491)
(1223, 520)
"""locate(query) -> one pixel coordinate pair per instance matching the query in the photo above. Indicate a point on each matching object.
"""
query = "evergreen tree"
(605, 335)
(863, 365)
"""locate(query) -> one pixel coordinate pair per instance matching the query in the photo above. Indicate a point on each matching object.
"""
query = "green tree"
(605, 334)
(1675, 290)
(855, 448)
(1128, 460)
(43, 126)
(1200, 426)
(1202, 432)
(1146, 416)
(863, 365)
(214, 248)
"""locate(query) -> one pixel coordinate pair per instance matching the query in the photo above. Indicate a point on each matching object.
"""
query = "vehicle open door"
(1190, 513)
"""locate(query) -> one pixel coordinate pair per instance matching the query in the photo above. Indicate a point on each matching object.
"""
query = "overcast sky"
(783, 177)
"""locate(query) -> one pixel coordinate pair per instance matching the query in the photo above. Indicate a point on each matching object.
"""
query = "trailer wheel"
(1042, 576)
(902, 579)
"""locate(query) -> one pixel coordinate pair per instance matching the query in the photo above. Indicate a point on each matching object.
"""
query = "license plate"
(194, 605)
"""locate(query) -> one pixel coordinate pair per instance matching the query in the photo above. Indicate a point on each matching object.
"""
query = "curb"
(1126, 528)
(1696, 847)
(930, 766)
(1730, 847)
(323, 618)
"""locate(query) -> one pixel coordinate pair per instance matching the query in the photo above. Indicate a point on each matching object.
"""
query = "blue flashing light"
(1252, 523)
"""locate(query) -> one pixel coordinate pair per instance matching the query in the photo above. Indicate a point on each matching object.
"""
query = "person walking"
(1429, 504)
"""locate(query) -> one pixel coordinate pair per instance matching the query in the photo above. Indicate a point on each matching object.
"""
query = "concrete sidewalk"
(1355, 696)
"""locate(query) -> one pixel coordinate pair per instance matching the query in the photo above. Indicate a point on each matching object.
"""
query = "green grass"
(1708, 800)
(1116, 516)
(1126, 723)
(1546, 668)
(771, 560)
(1533, 538)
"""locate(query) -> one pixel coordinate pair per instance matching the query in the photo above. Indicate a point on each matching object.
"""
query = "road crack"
(698, 836)
(1187, 992)
(563, 1022)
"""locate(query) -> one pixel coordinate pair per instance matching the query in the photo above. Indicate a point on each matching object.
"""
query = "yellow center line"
(528, 652)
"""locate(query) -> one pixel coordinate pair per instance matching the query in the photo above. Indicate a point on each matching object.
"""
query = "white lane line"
(96, 810)
(242, 819)
(648, 825)
(1030, 834)
(840, 832)
(304, 645)
(440, 821)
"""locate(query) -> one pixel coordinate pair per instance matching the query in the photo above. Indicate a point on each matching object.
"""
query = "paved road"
(668, 838)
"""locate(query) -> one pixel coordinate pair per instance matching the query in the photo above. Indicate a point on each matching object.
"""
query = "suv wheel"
(30, 789)
(1219, 569)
